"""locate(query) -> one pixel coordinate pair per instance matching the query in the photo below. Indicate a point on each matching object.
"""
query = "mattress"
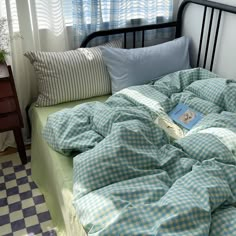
(52, 171)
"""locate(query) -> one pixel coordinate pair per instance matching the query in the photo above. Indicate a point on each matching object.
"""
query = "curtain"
(46, 25)
(33, 25)
(93, 15)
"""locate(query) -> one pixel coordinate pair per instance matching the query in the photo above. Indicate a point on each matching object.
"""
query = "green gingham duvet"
(130, 178)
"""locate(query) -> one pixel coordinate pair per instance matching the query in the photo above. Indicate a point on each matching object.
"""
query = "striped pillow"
(71, 75)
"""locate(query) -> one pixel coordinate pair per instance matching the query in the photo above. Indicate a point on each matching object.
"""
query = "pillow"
(71, 75)
(128, 67)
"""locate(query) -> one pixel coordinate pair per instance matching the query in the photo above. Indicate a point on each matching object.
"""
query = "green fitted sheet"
(52, 171)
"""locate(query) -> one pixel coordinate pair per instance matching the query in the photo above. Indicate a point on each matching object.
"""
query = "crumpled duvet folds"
(131, 178)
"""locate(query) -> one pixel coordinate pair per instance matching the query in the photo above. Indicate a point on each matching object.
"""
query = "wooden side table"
(10, 114)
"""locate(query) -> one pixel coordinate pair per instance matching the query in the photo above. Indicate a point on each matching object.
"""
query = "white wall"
(225, 58)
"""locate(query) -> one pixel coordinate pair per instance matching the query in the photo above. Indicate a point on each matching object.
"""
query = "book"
(185, 116)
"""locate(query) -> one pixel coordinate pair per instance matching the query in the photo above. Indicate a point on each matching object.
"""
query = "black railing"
(208, 5)
(212, 6)
(126, 30)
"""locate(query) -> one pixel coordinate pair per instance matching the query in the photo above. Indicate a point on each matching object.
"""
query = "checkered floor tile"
(22, 207)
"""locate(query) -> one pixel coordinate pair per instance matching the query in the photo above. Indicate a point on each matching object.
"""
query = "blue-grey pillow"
(128, 67)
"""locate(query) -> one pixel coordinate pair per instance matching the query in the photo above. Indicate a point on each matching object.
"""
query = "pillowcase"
(71, 75)
(128, 67)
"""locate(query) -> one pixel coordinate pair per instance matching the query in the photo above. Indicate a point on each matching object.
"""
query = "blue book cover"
(185, 116)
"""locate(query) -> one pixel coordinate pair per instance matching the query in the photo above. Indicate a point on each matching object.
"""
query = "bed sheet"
(52, 172)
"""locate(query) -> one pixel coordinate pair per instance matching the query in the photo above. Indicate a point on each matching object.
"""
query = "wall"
(225, 58)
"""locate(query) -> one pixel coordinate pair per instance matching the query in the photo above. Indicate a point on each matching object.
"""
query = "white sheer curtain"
(42, 26)
(93, 15)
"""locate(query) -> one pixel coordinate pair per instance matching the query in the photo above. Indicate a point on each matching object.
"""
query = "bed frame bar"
(212, 7)
(126, 30)
(208, 6)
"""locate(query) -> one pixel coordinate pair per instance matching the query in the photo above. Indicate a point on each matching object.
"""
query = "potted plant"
(3, 54)
(4, 40)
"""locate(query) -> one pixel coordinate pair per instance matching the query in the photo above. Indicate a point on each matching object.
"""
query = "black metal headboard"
(208, 5)
(126, 30)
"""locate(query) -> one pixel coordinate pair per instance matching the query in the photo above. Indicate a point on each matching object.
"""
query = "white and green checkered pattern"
(78, 127)
(130, 180)
(223, 221)
(136, 138)
(178, 81)
(230, 94)
(207, 146)
(223, 120)
(210, 89)
(196, 103)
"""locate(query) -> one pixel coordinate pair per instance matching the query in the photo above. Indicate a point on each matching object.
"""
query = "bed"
(53, 171)
(56, 183)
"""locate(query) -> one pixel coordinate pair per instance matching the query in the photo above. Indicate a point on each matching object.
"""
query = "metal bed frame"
(208, 5)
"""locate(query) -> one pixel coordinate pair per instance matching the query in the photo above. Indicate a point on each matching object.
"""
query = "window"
(121, 10)
(68, 11)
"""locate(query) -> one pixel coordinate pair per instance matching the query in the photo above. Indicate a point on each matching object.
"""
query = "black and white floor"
(22, 207)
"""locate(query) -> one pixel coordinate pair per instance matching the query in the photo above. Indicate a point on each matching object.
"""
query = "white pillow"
(71, 75)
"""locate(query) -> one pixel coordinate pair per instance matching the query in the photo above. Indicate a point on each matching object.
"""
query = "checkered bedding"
(131, 179)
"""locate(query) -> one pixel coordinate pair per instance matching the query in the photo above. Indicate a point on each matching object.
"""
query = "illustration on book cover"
(185, 116)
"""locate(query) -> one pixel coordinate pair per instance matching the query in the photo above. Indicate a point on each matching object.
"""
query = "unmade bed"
(53, 172)
(133, 178)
